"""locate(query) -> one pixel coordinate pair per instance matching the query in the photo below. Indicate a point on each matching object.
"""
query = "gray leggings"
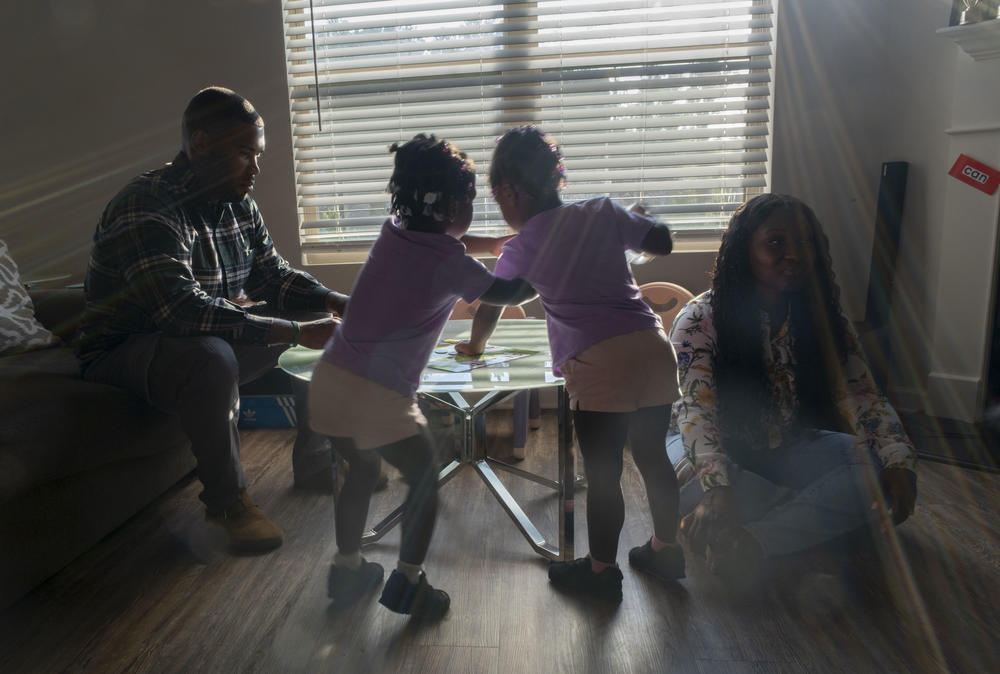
(414, 458)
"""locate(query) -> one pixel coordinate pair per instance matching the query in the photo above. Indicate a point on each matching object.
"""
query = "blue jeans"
(805, 493)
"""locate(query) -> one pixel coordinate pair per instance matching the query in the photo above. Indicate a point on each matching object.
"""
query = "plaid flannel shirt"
(166, 260)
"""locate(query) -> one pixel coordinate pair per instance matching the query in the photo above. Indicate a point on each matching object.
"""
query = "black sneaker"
(345, 586)
(665, 564)
(577, 576)
(419, 600)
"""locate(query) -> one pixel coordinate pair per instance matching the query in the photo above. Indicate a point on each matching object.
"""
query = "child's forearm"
(507, 292)
(479, 245)
(483, 325)
(658, 240)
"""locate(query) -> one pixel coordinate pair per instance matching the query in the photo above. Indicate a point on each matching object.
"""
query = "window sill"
(358, 256)
(979, 40)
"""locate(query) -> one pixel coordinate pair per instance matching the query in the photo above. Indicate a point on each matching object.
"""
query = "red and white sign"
(975, 173)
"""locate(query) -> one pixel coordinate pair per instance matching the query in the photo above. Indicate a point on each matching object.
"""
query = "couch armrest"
(59, 310)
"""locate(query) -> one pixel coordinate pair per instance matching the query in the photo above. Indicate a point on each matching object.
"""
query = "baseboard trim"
(907, 398)
(954, 396)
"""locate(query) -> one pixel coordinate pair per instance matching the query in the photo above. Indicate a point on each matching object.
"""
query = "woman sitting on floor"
(792, 444)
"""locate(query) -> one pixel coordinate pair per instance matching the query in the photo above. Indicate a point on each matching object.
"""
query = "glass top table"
(444, 389)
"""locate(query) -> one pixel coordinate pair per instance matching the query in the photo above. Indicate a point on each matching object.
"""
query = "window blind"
(663, 101)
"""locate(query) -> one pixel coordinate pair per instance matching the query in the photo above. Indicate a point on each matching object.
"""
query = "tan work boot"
(249, 529)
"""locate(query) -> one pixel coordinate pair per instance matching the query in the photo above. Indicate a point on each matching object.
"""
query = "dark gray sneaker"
(345, 586)
(666, 564)
(577, 576)
(419, 600)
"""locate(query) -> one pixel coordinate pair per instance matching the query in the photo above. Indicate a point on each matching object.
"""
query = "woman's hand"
(900, 488)
(716, 512)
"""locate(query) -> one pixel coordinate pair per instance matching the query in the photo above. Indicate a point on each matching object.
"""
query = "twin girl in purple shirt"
(619, 366)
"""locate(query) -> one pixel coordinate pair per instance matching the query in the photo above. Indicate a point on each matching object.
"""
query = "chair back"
(666, 300)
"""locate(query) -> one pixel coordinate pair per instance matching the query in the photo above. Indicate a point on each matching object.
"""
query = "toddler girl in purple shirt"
(363, 389)
(619, 367)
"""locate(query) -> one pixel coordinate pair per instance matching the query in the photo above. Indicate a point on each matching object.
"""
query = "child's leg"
(407, 590)
(351, 576)
(355, 496)
(414, 457)
(602, 440)
(647, 432)
(660, 556)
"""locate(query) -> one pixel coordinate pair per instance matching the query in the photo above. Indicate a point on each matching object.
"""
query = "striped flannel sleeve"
(274, 280)
(156, 262)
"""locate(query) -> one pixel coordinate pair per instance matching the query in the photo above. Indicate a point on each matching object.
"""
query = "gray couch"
(77, 459)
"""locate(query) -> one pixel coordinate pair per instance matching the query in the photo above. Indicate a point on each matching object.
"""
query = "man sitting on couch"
(180, 257)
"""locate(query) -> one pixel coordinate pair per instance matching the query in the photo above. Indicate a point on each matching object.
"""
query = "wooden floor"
(160, 594)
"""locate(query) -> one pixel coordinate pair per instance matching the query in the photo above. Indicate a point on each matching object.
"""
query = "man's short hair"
(215, 110)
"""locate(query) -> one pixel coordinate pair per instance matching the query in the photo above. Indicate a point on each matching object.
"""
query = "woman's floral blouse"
(695, 414)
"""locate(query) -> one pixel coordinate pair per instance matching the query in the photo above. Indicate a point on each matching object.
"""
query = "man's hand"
(315, 334)
(716, 512)
(243, 301)
(900, 488)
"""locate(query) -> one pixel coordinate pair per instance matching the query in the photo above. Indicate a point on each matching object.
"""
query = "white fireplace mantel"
(979, 40)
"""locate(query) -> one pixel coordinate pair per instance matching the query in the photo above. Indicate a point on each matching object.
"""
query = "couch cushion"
(60, 310)
(19, 331)
(54, 424)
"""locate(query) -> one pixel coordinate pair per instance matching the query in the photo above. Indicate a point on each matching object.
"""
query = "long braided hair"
(818, 328)
(430, 178)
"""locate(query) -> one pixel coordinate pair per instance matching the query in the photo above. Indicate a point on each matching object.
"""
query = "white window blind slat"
(706, 179)
(300, 37)
(393, 13)
(594, 136)
(439, 65)
(664, 101)
(535, 82)
(350, 108)
(624, 167)
(575, 120)
(477, 46)
(620, 156)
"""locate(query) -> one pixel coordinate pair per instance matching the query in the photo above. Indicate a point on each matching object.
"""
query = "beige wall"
(94, 90)
(829, 117)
